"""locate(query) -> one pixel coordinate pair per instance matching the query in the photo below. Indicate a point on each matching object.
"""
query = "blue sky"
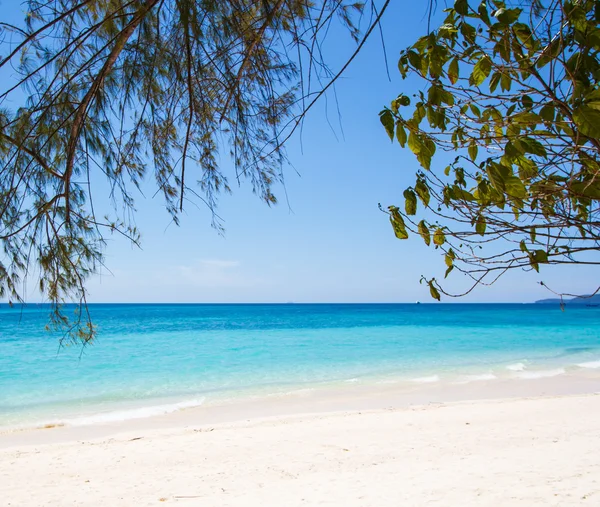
(331, 244)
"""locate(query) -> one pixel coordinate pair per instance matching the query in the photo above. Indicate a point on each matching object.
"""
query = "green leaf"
(547, 113)
(473, 151)
(461, 7)
(523, 33)
(403, 100)
(505, 82)
(423, 148)
(480, 225)
(415, 143)
(449, 258)
(453, 71)
(398, 223)
(587, 120)
(423, 192)
(507, 16)
(589, 189)
(410, 202)
(424, 232)
(469, 32)
(483, 13)
(515, 188)
(533, 146)
(448, 270)
(439, 238)
(540, 256)
(526, 118)
(495, 81)
(526, 102)
(435, 294)
(481, 71)
(414, 59)
(401, 135)
(497, 174)
(387, 120)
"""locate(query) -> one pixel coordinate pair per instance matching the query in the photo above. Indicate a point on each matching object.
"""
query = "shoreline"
(351, 397)
(541, 450)
(498, 378)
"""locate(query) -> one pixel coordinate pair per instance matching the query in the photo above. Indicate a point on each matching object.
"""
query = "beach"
(540, 450)
(285, 405)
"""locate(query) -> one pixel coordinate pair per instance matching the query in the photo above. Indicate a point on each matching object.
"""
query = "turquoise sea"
(155, 358)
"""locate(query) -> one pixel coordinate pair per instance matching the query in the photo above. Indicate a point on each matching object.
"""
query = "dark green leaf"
(461, 7)
(414, 59)
(547, 113)
(483, 13)
(387, 120)
(527, 101)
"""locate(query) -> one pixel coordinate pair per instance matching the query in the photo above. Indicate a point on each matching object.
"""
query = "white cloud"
(205, 273)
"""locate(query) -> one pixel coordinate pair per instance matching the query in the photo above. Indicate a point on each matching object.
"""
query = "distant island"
(585, 300)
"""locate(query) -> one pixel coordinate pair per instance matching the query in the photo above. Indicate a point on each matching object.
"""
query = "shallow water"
(152, 359)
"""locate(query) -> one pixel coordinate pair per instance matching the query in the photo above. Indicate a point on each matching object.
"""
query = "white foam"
(516, 367)
(465, 379)
(590, 364)
(529, 375)
(135, 413)
(426, 380)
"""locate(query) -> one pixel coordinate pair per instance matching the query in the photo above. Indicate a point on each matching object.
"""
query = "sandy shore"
(539, 451)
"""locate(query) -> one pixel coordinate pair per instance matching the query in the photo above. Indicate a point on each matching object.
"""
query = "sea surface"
(157, 358)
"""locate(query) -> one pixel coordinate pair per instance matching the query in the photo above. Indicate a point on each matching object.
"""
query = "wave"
(426, 380)
(570, 351)
(590, 364)
(530, 375)
(135, 413)
(516, 367)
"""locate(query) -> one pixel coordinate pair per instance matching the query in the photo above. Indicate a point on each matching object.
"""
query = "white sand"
(542, 451)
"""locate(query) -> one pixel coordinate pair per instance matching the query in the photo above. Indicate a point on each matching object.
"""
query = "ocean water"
(151, 359)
